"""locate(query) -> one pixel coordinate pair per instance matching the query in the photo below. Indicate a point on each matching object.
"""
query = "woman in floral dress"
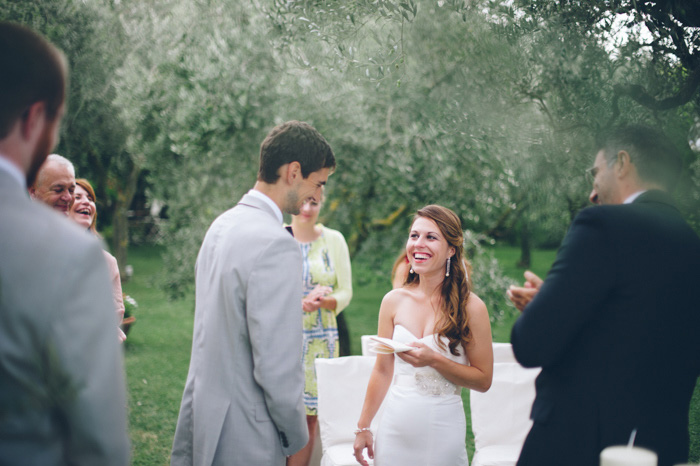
(327, 291)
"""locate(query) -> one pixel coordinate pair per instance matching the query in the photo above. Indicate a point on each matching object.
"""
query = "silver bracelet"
(363, 429)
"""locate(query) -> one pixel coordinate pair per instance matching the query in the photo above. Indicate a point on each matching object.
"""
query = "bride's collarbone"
(417, 319)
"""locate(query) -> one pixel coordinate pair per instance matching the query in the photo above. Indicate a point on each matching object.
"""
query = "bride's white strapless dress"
(422, 422)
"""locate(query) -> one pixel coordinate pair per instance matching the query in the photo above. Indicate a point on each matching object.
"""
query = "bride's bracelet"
(363, 429)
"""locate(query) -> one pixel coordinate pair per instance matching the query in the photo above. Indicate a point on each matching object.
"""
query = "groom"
(615, 325)
(243, 403)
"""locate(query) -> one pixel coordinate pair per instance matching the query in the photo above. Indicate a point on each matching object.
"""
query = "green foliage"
(157, 353)
(130, 305)
(92, 134)
(197, 93)
(445, 135)
(485, 107)
(489, 281)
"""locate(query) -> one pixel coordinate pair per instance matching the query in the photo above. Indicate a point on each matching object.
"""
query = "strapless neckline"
(404, 335)
(413, 335)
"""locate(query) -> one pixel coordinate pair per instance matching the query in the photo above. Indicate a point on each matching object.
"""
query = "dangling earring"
(410, 271)
(447, 272)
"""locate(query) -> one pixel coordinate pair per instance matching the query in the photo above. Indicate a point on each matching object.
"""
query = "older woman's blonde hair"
(85, 184)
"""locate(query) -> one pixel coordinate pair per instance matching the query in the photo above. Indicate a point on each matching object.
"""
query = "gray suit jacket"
(62, 391)
(242, 403)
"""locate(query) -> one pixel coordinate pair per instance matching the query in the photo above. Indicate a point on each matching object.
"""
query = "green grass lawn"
(157, 358)
(157, 350)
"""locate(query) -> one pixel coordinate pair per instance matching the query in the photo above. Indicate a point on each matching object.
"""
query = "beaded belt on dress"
(428, 383)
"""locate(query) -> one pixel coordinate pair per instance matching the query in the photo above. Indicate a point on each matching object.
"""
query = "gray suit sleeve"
(84, 363)
(274, 319)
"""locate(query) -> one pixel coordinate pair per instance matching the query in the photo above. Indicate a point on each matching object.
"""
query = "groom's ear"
(291, 171)
(288, 172)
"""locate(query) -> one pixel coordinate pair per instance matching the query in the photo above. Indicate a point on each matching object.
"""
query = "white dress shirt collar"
(14, 171)
(634, 196)
(268, 201)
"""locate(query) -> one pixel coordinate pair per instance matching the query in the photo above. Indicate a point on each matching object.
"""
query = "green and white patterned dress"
(326, 262)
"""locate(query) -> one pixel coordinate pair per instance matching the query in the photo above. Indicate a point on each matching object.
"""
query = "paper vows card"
(387, 346)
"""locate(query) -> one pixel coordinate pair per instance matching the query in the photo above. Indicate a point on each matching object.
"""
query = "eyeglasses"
(591, 173)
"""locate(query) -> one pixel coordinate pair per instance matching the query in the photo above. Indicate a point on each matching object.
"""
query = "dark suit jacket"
(616, 330)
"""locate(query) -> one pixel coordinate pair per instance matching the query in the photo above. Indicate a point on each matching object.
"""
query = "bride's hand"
(422, 356)
(364, 440)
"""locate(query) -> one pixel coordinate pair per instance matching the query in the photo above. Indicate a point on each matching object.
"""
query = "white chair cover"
(503, 352)
(365, 346)
(501, 416)
(342, 383)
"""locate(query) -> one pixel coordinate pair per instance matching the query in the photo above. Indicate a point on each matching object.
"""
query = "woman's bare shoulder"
(475, 306)
(398, 295)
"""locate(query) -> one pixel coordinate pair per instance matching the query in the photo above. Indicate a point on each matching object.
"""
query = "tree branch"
(640, 95)
(615, 110)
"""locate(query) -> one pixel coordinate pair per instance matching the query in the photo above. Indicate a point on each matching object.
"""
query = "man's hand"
(521, 296)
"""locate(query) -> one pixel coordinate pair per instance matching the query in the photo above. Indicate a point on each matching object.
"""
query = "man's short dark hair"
(294, 141)
(33, 70)
(653, 154)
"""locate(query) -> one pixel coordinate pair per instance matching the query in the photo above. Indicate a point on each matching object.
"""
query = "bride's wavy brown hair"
(453, 322)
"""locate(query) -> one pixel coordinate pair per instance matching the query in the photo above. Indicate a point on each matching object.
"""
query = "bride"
(434, 312)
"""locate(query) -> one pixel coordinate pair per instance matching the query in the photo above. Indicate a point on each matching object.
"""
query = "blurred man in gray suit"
(62, 391)
(242, 403)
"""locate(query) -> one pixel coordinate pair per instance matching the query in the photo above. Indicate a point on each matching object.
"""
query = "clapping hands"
(312, 301)
(522, 295)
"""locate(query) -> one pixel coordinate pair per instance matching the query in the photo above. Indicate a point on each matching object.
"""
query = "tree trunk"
(509, 215)
(525, 247)
(361, 221)
(120, 222)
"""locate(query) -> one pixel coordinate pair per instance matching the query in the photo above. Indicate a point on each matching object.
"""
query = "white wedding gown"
(423, 422)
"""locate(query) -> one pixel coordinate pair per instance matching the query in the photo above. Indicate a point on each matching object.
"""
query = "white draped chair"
(501, 416)
(342, 383)
(365, 339)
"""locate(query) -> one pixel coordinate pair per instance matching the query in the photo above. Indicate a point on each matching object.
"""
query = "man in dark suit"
(615, 324)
